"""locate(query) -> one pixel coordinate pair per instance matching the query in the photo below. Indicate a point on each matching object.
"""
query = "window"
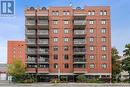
(55, 31)
(91, 57)
(104, 66)
(66, 39)
(55, 48)
(66, 31)
(55, 57)
(92, 66)
(103, 31)
(55, 39)
(91, 22)
(103, 21)
(103, 39)
(66, 48)
(101, 12)
(66, 13)
(66, 57)
(55, 13)
(66, 22)
(93, 12)
(105, 13)
(91, 39)
(55, 21)
(55, 65)
(103, 48)
(91, 48)
(91, 30)
(89, 13)
(104, 57)
(66, 65)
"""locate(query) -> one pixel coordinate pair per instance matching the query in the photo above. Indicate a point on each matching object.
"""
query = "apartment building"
(63, 41)
(16, 50)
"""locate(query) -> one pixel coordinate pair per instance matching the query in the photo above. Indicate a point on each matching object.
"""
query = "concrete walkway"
(7, 84)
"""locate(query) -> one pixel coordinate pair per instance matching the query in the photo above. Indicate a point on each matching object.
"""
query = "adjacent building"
(16, 50)
(62, 41)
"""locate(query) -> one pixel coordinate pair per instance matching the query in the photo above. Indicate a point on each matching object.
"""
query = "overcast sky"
(12, 28)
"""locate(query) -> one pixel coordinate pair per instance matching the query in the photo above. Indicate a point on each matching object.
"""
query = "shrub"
(54, 81)
(81, 78)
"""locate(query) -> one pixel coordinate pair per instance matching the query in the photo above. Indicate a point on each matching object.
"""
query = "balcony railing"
(30, 32)
(79, 22)
(30, 41)
(43, 41)
(30, 70)
(42, 22)
(43, 70)
(30, 60)
(79, 50)
(43, 60)
(79, 70)
(31, 51)
(79, 60)
(30, 22)
(79, 32)
(42, 32)
(79, 41)
(43, 51)
(79, 14)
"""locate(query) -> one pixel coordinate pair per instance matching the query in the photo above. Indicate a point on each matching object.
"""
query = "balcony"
(42, 12)
(30, 22)
(30, 60)
(43, 32)
(43, 70)
(79, 32)
(30, 70)
(79, 70)
(31, 41)
(42, 22)
(79, 41)
(79, 22)
(43, 42)
(79, 50)
(31, 51)
(29, 12)
(43, 60)
(30, 32)
(79, 60)
(43, 51)
(79, 15)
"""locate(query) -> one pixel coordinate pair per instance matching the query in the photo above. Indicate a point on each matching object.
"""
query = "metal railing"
(30, 32)
(42, 32)
(30, 41)
(30, 22)
(79, 32)
(42, 22)
(79, 41)
(43, 51)
(43, 41)
(79, 22)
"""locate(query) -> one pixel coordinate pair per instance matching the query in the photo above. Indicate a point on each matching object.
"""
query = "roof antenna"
(70, 3)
